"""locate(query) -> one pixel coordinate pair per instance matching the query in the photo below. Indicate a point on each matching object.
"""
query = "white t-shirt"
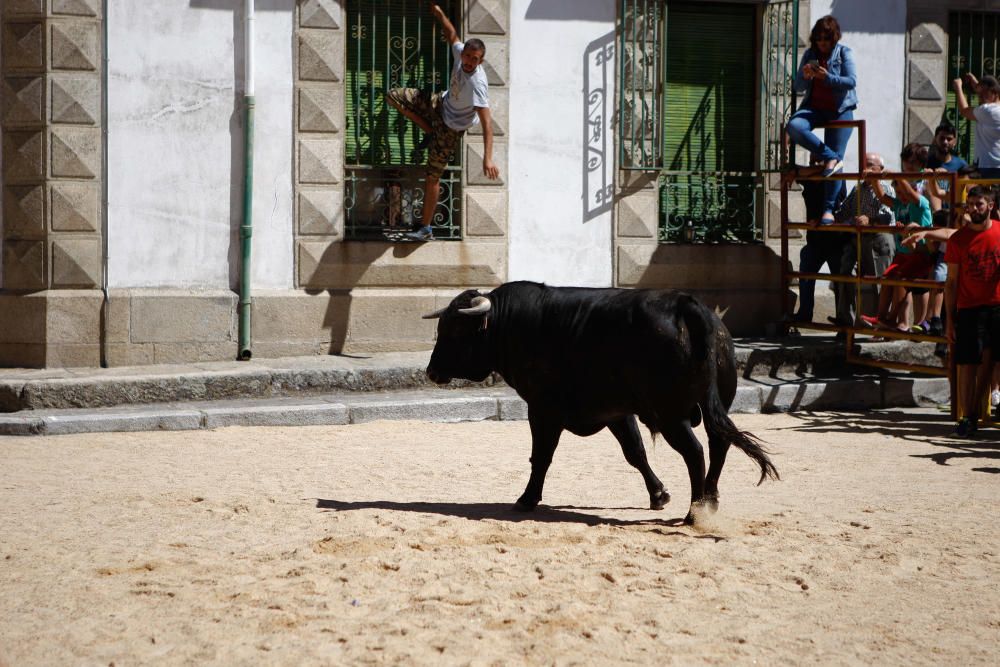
(988, 135)
(465, 93)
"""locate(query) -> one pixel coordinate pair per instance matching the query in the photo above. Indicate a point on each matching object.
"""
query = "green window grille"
(393, 44)
(973, 46)
(705, 89)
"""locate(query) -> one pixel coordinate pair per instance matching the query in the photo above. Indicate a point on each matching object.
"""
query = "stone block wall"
(926, 68)
(51, 122)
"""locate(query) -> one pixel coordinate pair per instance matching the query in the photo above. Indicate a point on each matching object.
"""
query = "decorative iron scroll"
(709, 208)
(640, 81)
(385, 204)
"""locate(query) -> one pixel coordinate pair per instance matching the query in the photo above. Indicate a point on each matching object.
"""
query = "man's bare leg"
(414, 118)
(984, 378)
(432, 190)
(967, 386)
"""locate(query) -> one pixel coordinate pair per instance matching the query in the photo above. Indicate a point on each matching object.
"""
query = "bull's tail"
(703, 328)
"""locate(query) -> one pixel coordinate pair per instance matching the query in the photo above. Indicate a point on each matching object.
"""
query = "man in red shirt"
(972, 299)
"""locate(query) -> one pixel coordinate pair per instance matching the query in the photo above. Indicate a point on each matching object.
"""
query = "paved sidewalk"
(790, 374)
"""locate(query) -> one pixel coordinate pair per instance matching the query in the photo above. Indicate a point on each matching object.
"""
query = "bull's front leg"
(545, 432)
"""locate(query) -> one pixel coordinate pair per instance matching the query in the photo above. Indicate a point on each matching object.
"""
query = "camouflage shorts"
(427, 105)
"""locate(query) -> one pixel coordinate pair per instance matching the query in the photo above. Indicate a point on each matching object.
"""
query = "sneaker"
(835, 168)
(936, 328)
(869, 321)
(940, 350)
(966, 428)
(921, 328)
(995, 397)
(422, 234)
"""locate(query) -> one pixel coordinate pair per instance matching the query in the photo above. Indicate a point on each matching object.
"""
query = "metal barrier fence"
(956, 186)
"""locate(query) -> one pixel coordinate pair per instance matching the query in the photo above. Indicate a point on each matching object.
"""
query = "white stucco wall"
(553, 238)
(175, 143)
(876, 32)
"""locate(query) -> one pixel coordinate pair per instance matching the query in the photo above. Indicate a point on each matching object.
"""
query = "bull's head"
(461, 351)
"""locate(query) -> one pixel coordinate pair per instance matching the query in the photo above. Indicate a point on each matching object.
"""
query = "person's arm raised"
(963, 105)
(449, 30)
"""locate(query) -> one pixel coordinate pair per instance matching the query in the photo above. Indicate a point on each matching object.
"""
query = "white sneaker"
(995, 397)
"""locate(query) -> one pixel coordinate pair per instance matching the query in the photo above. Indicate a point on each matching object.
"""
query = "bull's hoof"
(659, 500)
(711, 503)
(689, 519)
(524, 505)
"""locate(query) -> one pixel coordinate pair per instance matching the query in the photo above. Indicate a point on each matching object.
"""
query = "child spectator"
(913, 210)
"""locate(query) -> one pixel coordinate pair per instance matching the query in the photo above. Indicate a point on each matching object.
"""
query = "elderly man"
(862, 207)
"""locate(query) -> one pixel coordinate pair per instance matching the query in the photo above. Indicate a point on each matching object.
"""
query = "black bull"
(584, 359)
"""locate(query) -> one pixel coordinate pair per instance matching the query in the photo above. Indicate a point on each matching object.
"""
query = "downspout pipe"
(246, 228)
(105, 241)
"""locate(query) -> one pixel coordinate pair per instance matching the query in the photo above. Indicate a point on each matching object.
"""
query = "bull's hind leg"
(717, 450)
(544, 439)
(627, 433)
(682, 438)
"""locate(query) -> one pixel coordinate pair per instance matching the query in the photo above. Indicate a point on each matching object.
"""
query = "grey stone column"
(927, 65)
(52, 155)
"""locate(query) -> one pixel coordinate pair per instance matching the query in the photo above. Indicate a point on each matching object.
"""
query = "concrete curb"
(444, 405)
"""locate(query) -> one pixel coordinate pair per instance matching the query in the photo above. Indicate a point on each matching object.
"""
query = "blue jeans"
(800, 129)
(829, 250)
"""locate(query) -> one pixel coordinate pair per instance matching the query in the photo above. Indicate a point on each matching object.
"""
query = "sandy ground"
(393, 543)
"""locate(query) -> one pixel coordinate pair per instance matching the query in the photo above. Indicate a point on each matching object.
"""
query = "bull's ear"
(480, 306)
(435, 315)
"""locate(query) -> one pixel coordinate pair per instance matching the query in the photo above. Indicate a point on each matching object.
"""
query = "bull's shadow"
(505, 512)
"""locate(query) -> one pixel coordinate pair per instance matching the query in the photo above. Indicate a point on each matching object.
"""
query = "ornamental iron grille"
(394, 44)
(705, 90)
(779, 58)
(973, 46)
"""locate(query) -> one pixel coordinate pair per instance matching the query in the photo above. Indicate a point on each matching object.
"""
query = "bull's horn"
(721, 313)
(480, 306)
(435, 315)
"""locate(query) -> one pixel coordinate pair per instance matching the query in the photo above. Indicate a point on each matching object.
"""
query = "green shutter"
(973, 46)
(709, 121)
(711, 75)
(390, 44)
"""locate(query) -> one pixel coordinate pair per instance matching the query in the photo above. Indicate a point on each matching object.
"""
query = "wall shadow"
(598, 146)
(578, 10)
(743, 278)
(858, 16)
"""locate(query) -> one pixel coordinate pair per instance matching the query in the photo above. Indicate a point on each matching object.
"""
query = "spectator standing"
(987, 118)
(942, 150)
(827, 76)
(820, 247)
(863, 207)
(972, 303)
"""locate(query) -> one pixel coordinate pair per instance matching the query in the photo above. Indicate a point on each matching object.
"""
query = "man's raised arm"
(446, 26)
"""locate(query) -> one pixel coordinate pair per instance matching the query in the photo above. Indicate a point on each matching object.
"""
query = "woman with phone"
(827, 76)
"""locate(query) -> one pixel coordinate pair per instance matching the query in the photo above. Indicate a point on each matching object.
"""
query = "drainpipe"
(246, 228)
(106, 303)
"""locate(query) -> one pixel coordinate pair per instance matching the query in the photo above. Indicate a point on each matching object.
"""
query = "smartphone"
(812, 63)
